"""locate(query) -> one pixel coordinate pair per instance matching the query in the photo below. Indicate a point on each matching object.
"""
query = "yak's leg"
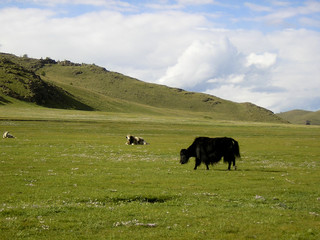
(199, 156)
(207, 166)
(231, 159)
(234, 163)
(228, 160)
(229, 166)
(198, 162)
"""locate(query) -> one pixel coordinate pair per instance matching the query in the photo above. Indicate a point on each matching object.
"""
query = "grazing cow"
(132, 140)
(7, 135)
(211, 150)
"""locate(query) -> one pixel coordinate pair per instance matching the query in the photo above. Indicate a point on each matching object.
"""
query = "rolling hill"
(301, 117)
(70, 85)
(23, 84)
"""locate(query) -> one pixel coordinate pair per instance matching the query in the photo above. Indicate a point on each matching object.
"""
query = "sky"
(265, 52)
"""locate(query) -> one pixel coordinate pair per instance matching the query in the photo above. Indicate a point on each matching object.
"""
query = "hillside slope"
(18, 82)
(94, 88)
(301, 117)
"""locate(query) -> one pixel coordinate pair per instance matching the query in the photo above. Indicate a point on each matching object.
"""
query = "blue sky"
(264, 52)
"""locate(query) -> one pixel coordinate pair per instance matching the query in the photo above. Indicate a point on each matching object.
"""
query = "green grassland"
(69, 175)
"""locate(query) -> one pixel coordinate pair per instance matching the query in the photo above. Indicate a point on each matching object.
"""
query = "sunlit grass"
(71, 176)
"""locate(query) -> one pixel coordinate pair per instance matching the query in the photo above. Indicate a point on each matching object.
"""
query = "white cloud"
(277, 70)
(281, 13)
(264, 60)
(105, 37)
(246, 94)
(76, 2)
(310, 22)
(258, 8)
(232, 78)
(195, 2)
(200, 62)
(280, 3)
(289, 81)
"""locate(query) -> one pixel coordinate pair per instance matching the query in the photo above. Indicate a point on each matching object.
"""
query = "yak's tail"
(236, 149)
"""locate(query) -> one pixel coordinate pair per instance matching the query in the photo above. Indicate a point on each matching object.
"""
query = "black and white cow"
(132, 140)
(7, 135)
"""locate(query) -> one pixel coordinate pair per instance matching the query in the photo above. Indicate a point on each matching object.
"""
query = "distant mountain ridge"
(68, 85)
(301, 117)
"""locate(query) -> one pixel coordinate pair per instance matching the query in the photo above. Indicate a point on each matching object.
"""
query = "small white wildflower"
(260, 197)
(45, 227)
(314, 213)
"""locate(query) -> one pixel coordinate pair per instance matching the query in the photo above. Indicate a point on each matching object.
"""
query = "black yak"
(211, 150)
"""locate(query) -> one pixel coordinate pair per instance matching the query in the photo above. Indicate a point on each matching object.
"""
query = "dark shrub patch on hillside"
(23, 84)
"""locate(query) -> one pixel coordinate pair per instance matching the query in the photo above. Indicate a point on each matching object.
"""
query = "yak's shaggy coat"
(211, 150)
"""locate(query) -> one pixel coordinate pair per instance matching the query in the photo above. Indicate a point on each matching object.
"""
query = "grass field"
(69, 175)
